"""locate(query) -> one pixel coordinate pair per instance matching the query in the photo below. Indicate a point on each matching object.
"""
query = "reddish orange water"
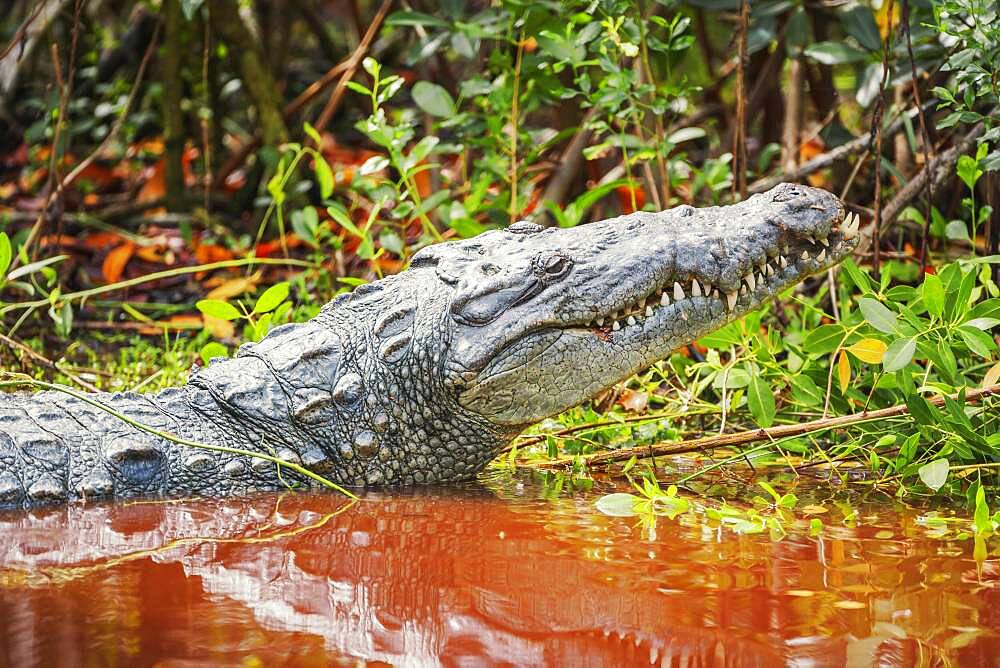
(475, 576)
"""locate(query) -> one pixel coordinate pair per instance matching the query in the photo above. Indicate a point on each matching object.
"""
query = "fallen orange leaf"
(115, 261)
(234, 287)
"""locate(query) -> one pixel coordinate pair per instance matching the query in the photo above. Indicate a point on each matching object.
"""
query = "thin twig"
(856, 145)
(771, 433)
(924, 133)
(352, 65)
(877, 133)
(740, 133)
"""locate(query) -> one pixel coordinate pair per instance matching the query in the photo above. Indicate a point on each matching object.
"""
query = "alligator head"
(543, 319)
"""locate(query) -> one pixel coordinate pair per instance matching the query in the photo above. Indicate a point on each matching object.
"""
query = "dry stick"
(740, 135)
(22, 31)
(513, 209)
(14, 344)
(352, 65)
(924, 134)
(877, 130)
(771, 433)
(827, 159)
(937, 170)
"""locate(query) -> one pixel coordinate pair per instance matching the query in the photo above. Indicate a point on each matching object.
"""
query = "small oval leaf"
(620, 504)
(271, 297)
(877, 315)
(935, 473)
(868, 350)
(898, 354)
(218, 309)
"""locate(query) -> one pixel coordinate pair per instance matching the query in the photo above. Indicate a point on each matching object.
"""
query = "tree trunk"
(173, 116)
(256, 75)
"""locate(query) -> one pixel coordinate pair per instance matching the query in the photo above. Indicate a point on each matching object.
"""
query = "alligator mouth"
(792, 262)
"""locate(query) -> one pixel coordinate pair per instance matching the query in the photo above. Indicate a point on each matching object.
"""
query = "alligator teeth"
(649, 311)
(615, 326)
(715, 293)
(731, 300)
(805, 255)
(825, 241)
(743, 290)
(664, 299)
(822, 256)
(782, 262)
(851, 226)
(600, 322)
(631, 320)
(642, 303)
(769, 270)
(678, 291)
(695, 288)
(751, 281)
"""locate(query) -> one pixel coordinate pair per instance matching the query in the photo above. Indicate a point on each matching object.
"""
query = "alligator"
(424, 376)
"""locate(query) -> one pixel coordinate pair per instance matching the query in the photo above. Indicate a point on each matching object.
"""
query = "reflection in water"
(446, 576)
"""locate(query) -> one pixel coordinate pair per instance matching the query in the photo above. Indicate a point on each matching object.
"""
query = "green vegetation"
(235, 174)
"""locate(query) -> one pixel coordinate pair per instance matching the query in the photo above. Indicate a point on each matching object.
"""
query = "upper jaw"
(783, 265)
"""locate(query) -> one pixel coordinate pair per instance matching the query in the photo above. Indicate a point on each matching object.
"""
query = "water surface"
(506, 572)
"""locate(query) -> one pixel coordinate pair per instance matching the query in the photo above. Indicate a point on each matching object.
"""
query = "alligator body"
(424, 376)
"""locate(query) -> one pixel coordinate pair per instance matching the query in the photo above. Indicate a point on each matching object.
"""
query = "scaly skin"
(423, 377)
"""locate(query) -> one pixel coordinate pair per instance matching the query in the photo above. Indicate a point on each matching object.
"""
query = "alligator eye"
(556, 265)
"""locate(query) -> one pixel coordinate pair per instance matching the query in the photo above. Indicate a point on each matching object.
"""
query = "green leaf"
(935, 473)
(858, 277)
(824, 339)
(899, 354)
(371, 66)
(340, 215)
(978, 341)
(217, 308)
(922, 411)
(806, 391)
(312, 133)
(422, 149)
(860, 24)
(415, 19)
(620, 504)
(324, 176)
(834, 53)
(271, 297)
(968, 170)
(433, 99)
(32, 267)
(376, 163)
(933, 293)
(6, 253)
(190, 8)
(981, 518)
(877, 315)
(984, 324)
(761, 401)
(211, 350)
